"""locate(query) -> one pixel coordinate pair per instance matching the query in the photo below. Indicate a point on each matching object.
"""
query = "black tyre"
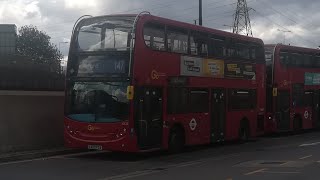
(176, 140)
(244, 134)
(297, 124)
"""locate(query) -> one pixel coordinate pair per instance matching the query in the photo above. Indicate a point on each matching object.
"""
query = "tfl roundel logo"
(193, 124)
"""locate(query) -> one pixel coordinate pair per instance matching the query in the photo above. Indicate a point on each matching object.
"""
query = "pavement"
(281, 157)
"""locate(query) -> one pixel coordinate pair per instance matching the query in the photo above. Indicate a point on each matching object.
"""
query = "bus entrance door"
(149, 117)
(315, 109)
(217, 115)
(283, 110)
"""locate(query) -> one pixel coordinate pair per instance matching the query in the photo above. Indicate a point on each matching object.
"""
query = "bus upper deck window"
(154, 36)
(177, 41)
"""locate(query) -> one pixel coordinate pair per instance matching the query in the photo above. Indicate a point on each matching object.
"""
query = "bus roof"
(147, 17)
(294, 48)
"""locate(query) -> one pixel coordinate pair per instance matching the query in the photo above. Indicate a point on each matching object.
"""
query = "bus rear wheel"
(176, 140)
(244, 134)
(297, 124)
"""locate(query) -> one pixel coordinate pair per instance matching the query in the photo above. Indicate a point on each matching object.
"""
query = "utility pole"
(241, 22)
(200, 12)
(284, 35)
(63, 42)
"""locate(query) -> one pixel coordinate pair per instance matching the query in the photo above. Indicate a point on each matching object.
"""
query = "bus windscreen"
(98, 102)
(101, 47)
(105, 34)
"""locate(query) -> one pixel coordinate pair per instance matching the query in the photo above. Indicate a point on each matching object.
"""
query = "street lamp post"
(63, 42)
(284, 35)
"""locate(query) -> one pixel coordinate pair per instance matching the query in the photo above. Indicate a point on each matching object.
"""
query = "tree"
(36, 45)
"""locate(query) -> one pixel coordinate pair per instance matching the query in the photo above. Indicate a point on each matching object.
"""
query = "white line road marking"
(305, 157)
(281, 172)
(130, 175)
(184, 164)
(265, 170)
(310, 144)
(286, 163)
(190, 164)
(147, 172)
(22, 161)
(256, 171)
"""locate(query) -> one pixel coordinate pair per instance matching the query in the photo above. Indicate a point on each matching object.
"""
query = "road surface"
(283, 157)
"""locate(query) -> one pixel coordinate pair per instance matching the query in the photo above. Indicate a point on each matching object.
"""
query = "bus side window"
(308, 98)
(296, 60)
(317, 62)
(177, 100)
(216, 47)
(230, 48)
(307, 61)
(298, 94)
(231, 52)
(253, 52)
(198, 101)
(284, 59)
(198, 44)
(154, 36)
(243, 51)
(177, 40)
(260, 52)
(242, 99)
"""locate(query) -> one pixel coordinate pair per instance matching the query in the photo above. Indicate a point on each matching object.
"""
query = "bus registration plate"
(95, 147)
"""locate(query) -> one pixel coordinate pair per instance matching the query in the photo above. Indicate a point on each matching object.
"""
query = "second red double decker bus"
(137, 83)
(293, 87)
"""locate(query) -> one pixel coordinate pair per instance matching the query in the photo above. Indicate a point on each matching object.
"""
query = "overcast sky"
(269, 19)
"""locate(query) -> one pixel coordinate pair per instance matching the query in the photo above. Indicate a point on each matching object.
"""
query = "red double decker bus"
(138, 83)
(293, 86)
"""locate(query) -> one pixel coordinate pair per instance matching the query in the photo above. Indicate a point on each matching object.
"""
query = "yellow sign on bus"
(130, 92)
(213, 68)
(275, 92)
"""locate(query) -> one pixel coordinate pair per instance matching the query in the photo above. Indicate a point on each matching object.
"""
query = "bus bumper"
(111, 141)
